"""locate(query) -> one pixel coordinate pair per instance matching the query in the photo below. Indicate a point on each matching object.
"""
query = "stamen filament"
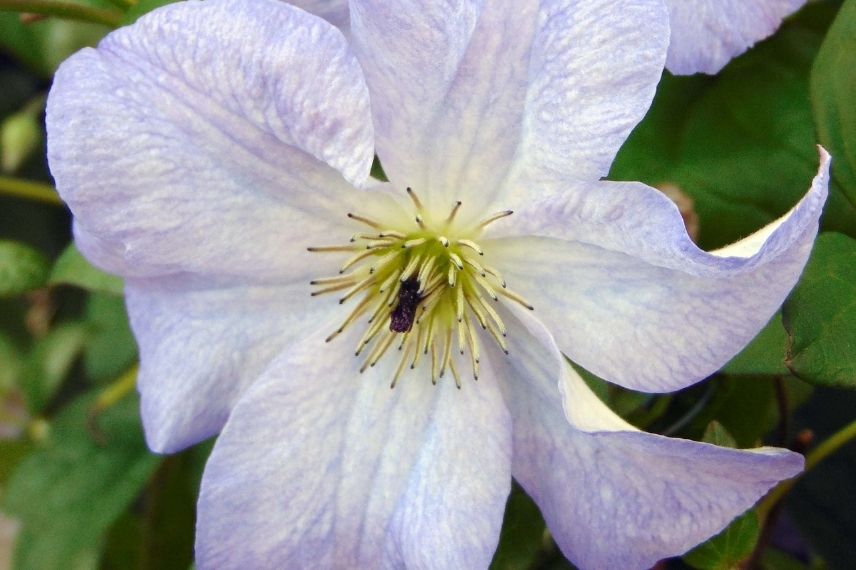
(470, 244)
(357, 288)
(355, 314)
(454, 211)
(332, 248)
(367, 221)
(497, 216)
(516, 298)
(415, 199)
(355, 259)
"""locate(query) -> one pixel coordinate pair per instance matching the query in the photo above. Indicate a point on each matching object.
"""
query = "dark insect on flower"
(401, 319)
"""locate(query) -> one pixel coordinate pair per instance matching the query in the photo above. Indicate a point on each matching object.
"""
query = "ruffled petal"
(614, 275)
(201, 347)
(706, 34)
(612, 496)
(464, 91)
(211, 137)
(321, 467)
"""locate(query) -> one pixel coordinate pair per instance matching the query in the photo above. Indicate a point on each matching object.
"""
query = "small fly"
(401, 319)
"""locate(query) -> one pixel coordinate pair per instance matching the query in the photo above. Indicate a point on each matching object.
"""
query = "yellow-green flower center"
(424, 287)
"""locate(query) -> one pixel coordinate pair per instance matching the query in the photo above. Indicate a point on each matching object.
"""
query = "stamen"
(516, 298)
(497, 216)
(420, 221)
(355, 259)
(444, 241)
(400, 369)
(453, 275)
(447, 353)
(415, 198)
(470, 244)
(454, 211)
(414, 242)
(332, 248)
(411, 267)
(495, 273)
(357, 288)
(486, 286)
(367, 221)
(333, 280)
(389, 281)
(331, 289)
(392, 234)
(355, 314)
(456, 259)
(425, 271)
(455, 374)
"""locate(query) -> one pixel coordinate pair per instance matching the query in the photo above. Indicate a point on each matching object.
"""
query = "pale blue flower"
(205, 149)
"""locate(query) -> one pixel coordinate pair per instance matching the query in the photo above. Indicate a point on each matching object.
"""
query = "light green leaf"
(716, 434)
(50, 361)
(73, 269)
(820, 315)
(22, 268)
(69, 493)
(729, 548)
(833, 92)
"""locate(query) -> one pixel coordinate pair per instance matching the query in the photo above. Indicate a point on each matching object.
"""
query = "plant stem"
(30, 190)
(65, 10)
(821, 452)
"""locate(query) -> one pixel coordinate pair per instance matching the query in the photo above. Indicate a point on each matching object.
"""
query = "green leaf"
(69, 493)
(50, 361)
(72, 269)
(716, 434)
(833, 92)
(742, 144)
(729, 548)
(765, 355)
(110, 346)
(522, 538)
(820, 315)
(22, 268)
(141, 8)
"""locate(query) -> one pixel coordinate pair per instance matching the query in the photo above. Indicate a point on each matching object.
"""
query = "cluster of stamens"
(423, 287)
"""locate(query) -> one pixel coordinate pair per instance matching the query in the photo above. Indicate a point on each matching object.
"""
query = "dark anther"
(404, 314)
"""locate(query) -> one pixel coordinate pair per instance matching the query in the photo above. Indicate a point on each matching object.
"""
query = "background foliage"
(80, 490)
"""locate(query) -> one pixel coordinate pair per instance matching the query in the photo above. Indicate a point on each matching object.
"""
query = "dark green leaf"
(833, 91)
(741, 144)
(110, 348)
(72, 269)
(22, 268)
(765, 355)
(726, 550)
(522, 538)
(69, 493)
(820, 315)
(49, 362)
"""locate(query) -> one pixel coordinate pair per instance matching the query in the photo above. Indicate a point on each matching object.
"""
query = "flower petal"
(201, 347)
(211, 137)
(334, 11)
(614, 275)
(462, 91)
(706, 34)
(618, 497)
(321, 467)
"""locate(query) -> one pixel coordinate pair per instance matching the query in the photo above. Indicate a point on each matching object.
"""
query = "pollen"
(422, 286)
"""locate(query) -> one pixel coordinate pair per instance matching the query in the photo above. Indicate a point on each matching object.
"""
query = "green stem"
(29, 190)
(821, 452)
(124, 5)
(66, 10)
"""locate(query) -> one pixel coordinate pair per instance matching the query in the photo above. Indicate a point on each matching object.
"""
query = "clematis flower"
(217, 155)
(705, 34)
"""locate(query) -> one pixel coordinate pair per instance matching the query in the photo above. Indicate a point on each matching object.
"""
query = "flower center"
(423, 285)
